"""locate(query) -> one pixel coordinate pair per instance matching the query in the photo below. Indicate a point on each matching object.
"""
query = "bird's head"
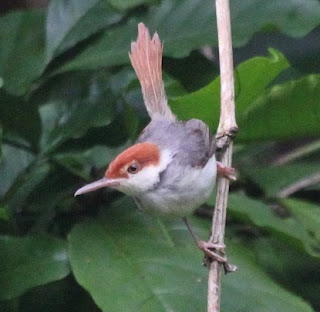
(134, 171)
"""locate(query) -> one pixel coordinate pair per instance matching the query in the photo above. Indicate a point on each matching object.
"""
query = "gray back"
(190, 142)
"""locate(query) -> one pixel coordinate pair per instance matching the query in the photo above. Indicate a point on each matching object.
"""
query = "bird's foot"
(216, 252)
(225, 171)
(213, 251)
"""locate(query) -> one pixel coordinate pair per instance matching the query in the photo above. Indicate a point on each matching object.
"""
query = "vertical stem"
(226, 131)
(217, 235)
(227, 122)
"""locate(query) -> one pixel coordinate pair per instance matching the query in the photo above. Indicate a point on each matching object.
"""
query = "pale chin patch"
(146, 178)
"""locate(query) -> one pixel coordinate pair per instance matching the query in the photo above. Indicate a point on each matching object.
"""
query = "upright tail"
(146, 59)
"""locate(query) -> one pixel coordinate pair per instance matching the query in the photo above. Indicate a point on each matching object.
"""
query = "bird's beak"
(104, 182)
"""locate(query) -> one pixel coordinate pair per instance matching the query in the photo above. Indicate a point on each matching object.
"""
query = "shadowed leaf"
(29, 262)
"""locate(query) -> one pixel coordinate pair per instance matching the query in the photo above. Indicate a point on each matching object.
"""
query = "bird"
(171, 169)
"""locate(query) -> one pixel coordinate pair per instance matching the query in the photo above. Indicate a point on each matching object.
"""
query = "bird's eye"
(134, 168)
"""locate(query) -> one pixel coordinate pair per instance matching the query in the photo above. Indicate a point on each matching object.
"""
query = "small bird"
(172, 168)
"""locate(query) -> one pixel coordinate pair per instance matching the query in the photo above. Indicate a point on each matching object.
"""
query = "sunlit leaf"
(289, 110)
(252, 78)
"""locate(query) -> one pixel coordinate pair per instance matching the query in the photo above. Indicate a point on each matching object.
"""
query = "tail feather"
(146, 59)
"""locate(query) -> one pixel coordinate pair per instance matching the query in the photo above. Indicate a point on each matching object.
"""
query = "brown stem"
(227, 130)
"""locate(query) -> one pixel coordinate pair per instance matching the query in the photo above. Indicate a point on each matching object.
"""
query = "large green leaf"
(252, 78)
(69, 22)
(190, 24)
(289, 110)
(128, 261)
(29, 262)
(22, 49)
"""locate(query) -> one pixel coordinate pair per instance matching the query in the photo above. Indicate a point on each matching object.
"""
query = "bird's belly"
(180, 199)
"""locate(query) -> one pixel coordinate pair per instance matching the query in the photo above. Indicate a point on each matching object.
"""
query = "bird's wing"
(191, 142)
(198, 145)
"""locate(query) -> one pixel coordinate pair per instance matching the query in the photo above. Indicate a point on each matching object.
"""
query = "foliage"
(70, 103)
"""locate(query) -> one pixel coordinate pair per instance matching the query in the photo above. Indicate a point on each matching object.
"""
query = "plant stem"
(227, 130)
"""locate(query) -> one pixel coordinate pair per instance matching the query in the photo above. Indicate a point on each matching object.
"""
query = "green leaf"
(3, 214)
(20, 118)
(128, 4)
(289, 230)
(0, 145)
(276, 181)
(289, 110)
(29, 262)
(129, 261)
(190, 24)
(301, 275)
(251, 289)
(75, 103)
(14, 161)
(25, 184)
(291, 17)
(252, 78)
(307, 213)
(112, 49)
(81, 163)
(69, 22)
(64, 296)
(22, 50)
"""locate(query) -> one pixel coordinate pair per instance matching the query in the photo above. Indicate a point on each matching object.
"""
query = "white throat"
(147, 178)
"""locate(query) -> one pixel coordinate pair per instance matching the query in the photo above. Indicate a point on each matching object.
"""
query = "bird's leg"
(212, 251)
(225, 171)
(207, 247)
